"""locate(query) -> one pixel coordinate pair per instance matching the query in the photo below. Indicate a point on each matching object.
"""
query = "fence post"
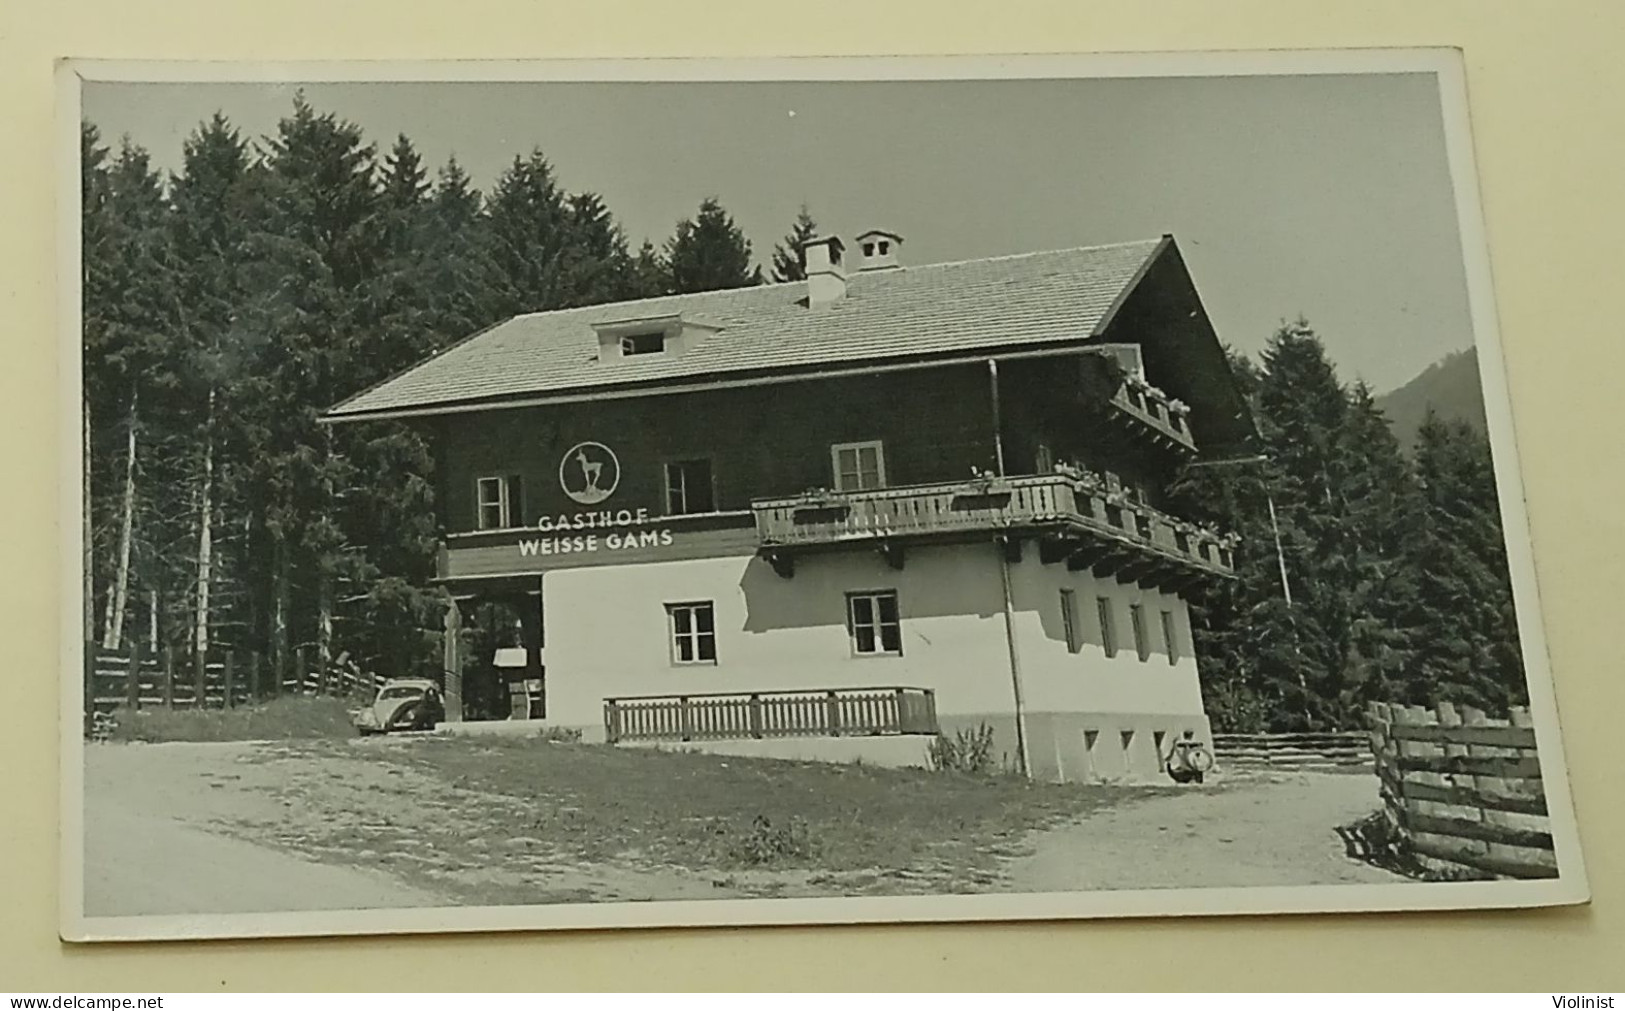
(132, 682)
(253, 678)
(89, 658)
(225, 681)
(901, 724)
(200, 675)
(756, 716)
(686, 719)
(299, 671)
(612, 721)
(833, 713)
(169, 677)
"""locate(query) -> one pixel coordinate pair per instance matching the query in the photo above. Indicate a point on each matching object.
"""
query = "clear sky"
(1328, 197)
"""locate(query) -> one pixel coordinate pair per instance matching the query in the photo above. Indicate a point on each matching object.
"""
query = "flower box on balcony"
(821, 507)
(988, 492)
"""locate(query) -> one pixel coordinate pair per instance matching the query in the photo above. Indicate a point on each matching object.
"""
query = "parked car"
(401, 704)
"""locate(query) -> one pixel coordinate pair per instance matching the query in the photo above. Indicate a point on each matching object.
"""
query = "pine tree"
(651, 274)
(709, 252)
(130, 315)
(787, 256)
(210, 235)
(1380, 513)
(1467, 649)
(528, 225)
(319, 241)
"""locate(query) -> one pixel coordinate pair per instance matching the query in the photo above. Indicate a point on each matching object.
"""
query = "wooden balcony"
(1075, 520)
(862, 712)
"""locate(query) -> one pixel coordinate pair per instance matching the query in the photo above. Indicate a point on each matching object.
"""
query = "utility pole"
(1275, 526)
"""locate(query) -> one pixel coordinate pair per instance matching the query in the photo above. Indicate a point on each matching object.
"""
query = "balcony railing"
(1164, 415)
(861, 712)
(1080, 518)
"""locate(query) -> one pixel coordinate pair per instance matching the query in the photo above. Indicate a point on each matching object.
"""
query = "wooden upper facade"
(1071, 439)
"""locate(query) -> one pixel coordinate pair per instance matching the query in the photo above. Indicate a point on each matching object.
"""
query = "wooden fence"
(1461, 789)
(1293, 752)
(742, 715)
(136, 679)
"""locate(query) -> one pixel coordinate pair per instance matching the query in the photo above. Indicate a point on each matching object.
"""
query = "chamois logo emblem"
(589, 473)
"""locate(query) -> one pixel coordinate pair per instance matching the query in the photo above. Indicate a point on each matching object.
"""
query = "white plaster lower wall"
(606, 634)
(1054, 679)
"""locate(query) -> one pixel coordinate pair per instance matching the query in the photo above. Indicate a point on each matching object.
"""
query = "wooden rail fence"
(742, 715)
(1461, 789)
(1294, 752)
(136, 679)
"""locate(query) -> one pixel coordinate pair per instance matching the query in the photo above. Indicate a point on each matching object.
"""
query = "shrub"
(767, 843)
(969, 751)
(560, 735)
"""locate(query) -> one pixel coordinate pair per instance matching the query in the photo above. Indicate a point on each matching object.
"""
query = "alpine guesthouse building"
(834, 518)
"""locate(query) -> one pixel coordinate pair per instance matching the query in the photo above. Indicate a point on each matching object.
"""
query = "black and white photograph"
(685, 492)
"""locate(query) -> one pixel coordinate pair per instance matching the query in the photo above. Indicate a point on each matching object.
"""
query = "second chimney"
(826, 278)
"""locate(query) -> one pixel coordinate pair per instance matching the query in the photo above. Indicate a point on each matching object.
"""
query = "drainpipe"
(999, 545)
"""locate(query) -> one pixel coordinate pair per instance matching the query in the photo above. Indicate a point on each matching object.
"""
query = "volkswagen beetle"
(401, 704)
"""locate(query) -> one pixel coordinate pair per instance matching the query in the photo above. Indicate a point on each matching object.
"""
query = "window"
(868, 249)
(859, 466)
(643, 344)
(1170, 636)
(872, 620)
(885, 247)
(1142, 636)
(1108, 630)
(1069, 621)
(498, 502)
(689, 488)
(693, 633)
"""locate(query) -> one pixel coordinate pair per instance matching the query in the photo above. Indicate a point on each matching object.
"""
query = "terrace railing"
(852, 712)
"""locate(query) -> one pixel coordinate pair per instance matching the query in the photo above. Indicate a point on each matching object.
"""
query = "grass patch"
(707, 812)
(288, 718)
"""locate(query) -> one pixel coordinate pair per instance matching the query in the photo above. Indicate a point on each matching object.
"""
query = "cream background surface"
(1543, 82)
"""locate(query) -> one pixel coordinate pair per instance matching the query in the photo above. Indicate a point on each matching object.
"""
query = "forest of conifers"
(228, 304)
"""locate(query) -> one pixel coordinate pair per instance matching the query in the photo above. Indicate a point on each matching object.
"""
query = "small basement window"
(643, 344)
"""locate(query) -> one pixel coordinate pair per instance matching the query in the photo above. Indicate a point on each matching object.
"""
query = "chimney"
(826, 278)
(879, 250)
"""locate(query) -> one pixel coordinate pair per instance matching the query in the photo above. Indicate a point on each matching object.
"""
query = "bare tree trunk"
(152, 622)
(88, 548)
(279, 611)
(205, 537)
(113, 635)
(324, 630)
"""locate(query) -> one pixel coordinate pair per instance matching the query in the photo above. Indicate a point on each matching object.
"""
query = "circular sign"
(589, 473)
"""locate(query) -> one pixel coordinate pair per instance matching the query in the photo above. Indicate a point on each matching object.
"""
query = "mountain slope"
(1450, 386)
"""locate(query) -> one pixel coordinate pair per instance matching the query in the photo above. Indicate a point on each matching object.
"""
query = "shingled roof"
(1006, 302)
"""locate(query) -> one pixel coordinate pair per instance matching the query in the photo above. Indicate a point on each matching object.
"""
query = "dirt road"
(1257, 829)
(153, 844)
(224, 828)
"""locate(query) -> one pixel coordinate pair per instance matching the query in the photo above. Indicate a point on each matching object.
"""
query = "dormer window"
(641, 336)
(868, 249)
(643, 344)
